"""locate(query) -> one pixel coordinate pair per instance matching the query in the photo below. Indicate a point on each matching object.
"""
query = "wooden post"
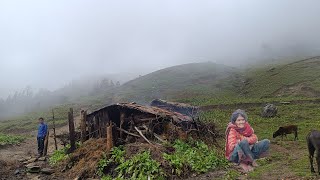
(122, 116)
(46, 140)
(54, 131)
(109, 137)
(101, 125)
(95, 122)
(90, 127)
(83, 126)
(105, 123)
(71, 131)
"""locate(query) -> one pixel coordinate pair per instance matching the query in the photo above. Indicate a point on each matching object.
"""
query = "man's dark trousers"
(40, 145)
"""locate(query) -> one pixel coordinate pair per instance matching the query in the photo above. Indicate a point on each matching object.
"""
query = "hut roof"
(146, 109)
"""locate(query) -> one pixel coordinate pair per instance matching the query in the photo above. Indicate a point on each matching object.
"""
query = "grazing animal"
(283, 131)
(313, 141)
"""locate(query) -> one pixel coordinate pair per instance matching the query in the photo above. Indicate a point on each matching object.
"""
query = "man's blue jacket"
(42, 130)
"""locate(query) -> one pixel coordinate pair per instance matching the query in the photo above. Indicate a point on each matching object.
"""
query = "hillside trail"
(12, 155)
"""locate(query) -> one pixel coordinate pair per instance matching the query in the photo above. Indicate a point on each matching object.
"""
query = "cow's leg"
(318, 161)
(311, 154)
(296, 135)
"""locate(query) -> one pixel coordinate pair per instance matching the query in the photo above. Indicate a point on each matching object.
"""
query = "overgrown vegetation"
(6, 139)
(195, 156)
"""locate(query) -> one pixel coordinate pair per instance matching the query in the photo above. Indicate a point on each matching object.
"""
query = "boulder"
(33, 168)
(270, 110)
(42, 158)
(47, 171)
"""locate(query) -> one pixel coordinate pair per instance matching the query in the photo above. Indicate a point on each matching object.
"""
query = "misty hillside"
(181, 82)
(196, 83)
(298, 78)
(204, 81)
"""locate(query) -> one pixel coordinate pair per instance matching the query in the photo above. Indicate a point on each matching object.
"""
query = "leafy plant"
(140, 166)
(117, 156)
(59, 155)
(198, 157)
(10, 139)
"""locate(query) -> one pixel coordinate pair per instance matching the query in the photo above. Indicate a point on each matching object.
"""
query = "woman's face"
(240, 121)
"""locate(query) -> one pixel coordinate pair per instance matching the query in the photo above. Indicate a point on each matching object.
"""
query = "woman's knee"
(265, 143)
(244, 143)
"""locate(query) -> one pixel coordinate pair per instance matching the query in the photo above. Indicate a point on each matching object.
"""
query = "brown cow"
(283, 131)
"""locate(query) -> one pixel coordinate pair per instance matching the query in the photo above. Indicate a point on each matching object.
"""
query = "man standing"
(42, 132)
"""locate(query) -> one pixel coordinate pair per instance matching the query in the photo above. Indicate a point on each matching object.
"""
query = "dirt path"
(12, 157)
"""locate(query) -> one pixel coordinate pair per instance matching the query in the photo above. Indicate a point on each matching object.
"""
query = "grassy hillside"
(210, 83)
(181, 82)
(299, 78)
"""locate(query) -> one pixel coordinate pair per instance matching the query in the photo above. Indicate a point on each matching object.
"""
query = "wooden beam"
(135, 135)
(142, 135)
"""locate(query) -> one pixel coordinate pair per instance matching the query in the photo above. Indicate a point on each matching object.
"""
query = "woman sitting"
(242, 145)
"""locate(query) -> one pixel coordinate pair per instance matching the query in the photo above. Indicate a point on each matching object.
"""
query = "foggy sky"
(46, 44)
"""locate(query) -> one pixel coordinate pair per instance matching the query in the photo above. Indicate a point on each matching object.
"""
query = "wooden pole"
(71, 131)
(83, 126)
(54, 131)
(46, 140)
(109, 138)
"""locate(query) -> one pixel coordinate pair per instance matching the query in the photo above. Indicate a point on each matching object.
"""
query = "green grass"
(6, 139)
(29, 121)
